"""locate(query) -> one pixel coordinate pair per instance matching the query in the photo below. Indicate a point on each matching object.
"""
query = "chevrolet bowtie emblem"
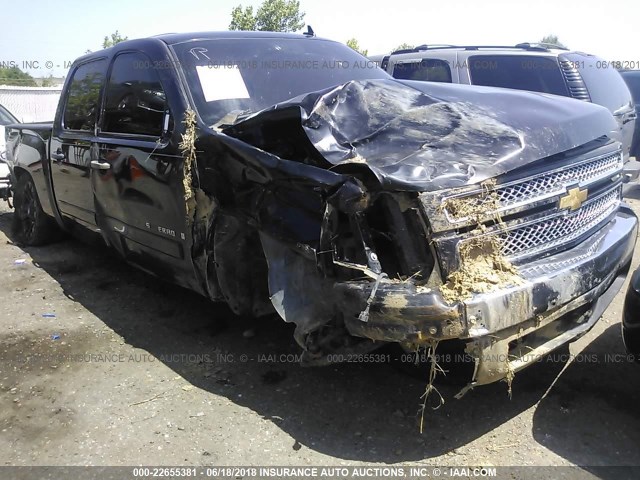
(573, 199)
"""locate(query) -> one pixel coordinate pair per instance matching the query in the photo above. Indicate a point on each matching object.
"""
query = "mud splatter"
(483, 268)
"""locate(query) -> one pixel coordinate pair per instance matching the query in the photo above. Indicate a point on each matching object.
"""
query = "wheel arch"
(240, 266)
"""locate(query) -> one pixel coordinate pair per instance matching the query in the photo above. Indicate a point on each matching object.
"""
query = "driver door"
(137, 175)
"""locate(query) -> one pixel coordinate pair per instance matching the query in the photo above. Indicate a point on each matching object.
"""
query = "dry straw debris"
(188, 149)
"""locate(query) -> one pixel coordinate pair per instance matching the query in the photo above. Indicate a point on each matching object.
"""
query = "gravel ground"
(105, 365)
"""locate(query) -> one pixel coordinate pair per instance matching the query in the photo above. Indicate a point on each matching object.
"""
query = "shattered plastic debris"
(55, 336)
(49, 315)
(20, 261)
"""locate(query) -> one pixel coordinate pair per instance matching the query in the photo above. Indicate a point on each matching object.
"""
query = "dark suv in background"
(526, 66)
(632, 78)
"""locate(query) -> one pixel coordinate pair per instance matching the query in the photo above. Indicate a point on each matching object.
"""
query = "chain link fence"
(31, 104)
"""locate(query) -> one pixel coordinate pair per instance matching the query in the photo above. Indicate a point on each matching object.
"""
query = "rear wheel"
(31, 225)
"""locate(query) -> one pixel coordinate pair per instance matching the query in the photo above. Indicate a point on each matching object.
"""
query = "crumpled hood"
(426, 136)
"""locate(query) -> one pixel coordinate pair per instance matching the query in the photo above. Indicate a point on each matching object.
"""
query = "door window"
(135, 100)
(81, 109)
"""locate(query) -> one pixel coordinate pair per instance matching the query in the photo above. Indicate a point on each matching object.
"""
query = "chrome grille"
(529, 215)
(546, 267)
(532, 189)
(560, 229)
(555, 182)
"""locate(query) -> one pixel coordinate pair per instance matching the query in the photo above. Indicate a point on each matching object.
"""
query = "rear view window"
(428, 70)
(522, 72)
(82, 106)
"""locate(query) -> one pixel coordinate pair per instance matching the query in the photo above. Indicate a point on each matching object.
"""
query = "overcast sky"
(58, 32)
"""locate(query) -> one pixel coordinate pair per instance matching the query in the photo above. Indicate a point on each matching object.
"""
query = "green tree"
(48, 81)
(271, 16)
(353, 44)
(242, 19)
(552, 40)
(114, 40)
(403, 46)
(15, 76)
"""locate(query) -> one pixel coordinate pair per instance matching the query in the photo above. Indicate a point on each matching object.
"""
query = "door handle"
(100, 165)
(58, 156)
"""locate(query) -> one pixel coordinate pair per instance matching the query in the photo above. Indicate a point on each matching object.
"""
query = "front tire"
(31, 225)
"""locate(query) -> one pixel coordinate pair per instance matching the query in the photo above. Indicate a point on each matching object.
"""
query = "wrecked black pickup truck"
(287, 173)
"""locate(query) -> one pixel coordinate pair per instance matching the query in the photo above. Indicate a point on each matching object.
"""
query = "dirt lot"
(102, 364)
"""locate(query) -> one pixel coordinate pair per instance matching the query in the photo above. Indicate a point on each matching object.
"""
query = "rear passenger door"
(137, 176)
(72, 140)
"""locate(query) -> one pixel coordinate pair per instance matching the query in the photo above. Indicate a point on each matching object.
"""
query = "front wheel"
(31, 225)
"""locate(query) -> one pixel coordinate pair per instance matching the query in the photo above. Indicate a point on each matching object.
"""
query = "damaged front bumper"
(361, 222)
(561, 298)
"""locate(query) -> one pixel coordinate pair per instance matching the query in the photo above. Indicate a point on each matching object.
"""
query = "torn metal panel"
(414, 140)
(242, 283)
(297, 292)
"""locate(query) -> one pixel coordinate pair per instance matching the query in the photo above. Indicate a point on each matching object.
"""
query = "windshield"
(230, 76)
